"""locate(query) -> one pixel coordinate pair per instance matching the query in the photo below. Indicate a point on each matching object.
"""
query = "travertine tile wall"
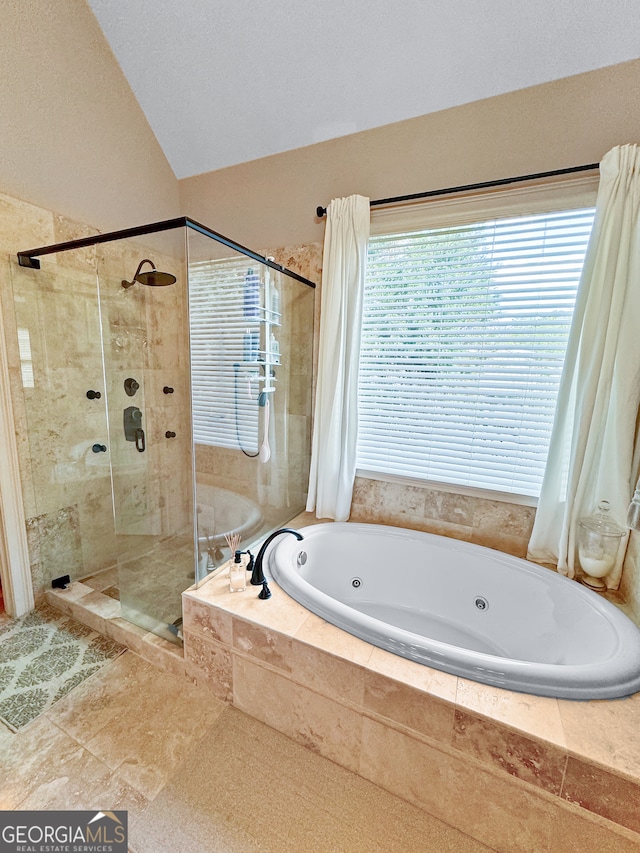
(66, 487)
(146, 337)
(59, 328)
(630, 584)
(496, 524)
(296, 412)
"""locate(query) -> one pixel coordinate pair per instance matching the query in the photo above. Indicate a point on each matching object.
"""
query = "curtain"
(591, 455)
(335, 428)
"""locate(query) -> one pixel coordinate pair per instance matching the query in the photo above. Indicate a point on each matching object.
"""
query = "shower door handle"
(140, 442)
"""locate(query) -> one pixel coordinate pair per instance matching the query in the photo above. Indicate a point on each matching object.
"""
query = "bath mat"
(43, 656)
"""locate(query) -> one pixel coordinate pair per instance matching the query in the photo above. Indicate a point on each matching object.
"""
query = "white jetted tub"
(462, 608)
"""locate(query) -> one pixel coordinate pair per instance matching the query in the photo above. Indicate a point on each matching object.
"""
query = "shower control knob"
(169, 434)
(93, 395)
(130, 386)
(99, 448)
(167, 389)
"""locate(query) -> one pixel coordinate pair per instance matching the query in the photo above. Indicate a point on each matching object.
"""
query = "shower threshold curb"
(102, 613)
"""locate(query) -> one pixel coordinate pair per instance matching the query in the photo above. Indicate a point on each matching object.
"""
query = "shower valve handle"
(99, 448)
(93, 395)
(169, 434)
(140, 441)
(167, 389)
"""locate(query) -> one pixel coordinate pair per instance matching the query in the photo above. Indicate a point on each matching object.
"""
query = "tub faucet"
(257, 576)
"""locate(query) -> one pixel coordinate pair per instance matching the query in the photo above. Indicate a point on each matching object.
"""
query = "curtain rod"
(321, 211)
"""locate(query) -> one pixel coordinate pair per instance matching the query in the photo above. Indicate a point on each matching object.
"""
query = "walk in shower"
(166, 373)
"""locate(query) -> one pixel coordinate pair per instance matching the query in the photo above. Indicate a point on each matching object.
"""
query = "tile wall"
(630, 584)
(496, 524)
(54, 331)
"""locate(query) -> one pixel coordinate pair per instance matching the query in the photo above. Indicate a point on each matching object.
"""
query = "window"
(26, 358)
(464, 333)
(225, 340)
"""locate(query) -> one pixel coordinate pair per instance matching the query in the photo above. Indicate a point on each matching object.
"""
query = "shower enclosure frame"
(15, 564)
(29, 257)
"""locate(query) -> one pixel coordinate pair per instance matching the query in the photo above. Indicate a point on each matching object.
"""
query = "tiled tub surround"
(517, 772)
(497, 524)
(487, 521)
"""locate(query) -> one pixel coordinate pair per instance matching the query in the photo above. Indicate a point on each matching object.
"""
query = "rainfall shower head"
(153, 277)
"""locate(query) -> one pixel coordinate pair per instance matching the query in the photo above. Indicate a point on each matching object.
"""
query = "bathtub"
(462, 608)
(221, 511)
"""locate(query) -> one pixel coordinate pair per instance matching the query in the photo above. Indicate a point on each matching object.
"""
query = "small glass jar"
(598, 542)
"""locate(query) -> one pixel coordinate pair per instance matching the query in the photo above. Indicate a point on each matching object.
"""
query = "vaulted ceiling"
(224, 82)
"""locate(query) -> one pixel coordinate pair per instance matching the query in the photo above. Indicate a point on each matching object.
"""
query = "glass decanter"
(598, 542)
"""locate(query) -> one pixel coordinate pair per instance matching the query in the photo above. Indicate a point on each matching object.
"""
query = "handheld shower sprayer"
(264, 454)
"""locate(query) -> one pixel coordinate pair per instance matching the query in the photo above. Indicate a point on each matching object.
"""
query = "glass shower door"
(251, 367)
(147, 378)
(67, 488)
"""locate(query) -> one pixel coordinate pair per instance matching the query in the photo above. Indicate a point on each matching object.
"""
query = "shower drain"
(481, 603)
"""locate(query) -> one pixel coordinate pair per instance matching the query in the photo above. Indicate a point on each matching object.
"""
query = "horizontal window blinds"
(224, 353)
(464, 334)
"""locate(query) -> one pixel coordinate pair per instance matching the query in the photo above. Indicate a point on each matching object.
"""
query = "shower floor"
(106, 582)
(149, 586)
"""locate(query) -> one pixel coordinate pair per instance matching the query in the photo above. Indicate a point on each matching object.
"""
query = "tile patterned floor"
(198, 775)
(43, 656)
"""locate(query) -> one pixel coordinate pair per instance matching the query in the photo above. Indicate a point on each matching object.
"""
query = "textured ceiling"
(224, 82)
